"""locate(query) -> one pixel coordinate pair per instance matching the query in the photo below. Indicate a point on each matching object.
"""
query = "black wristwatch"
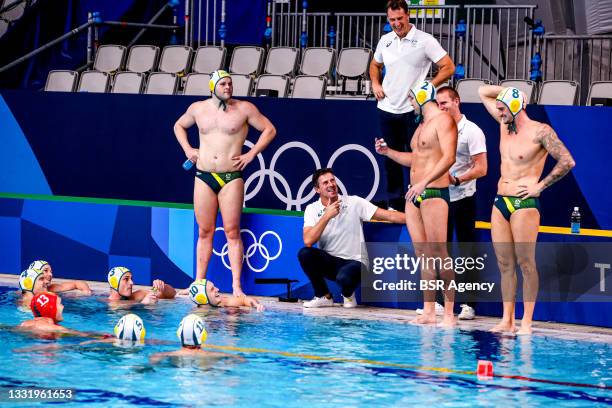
(457, 182)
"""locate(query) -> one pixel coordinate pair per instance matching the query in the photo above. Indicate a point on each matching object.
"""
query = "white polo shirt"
(470, 141)
(343, 235)
(407, 62)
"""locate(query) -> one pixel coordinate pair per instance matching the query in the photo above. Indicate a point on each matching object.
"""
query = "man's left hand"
(525, 192)
(159, 285)
(241, 161)
(415, 191)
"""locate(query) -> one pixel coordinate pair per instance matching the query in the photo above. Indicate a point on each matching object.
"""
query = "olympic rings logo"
(301, 197)
(256, 247)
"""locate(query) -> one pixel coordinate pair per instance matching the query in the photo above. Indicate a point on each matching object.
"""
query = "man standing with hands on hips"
(406, 53)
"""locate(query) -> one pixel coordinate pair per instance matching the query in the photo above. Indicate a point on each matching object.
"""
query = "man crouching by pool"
(121, 284)
(204, 292)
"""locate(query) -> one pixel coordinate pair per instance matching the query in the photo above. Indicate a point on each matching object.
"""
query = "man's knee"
(506, 263)
(527, 265)
(306, 253)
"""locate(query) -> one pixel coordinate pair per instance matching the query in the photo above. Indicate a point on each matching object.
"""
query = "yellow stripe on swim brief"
(219, 179)
(509, 205)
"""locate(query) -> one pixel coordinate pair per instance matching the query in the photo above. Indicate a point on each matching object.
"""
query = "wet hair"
(397, 5)
(318, 173)
(453, 93)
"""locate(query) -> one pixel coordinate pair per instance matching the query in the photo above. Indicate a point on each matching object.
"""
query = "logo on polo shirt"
(414, 43)
(388, 44)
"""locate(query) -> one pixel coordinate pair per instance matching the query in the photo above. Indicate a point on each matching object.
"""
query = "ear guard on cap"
(115, 275)
(191, 331)
(513, 99)
(28, 278)
(44, 305)
(423, 93)
(197, 292)
(215, 77)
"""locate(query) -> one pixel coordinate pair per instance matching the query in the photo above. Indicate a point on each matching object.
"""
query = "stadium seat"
(279, 83)
(142, 58)
(309, 87)
(162, 83)
(468, 89)
(109, 58)
(242, 84)
(175, 59)
(4, 25)
(525, 86)
(246, 60)
(129, 82)
(15, 13)
(558, 93)
(282, 61)
(317, 61)
(197, 84)
(599, 90)
(208, 59)
(353, 64)
(61, 81)
(94, 81)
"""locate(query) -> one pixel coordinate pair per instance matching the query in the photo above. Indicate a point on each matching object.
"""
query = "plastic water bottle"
(575, 222)
(187, 165)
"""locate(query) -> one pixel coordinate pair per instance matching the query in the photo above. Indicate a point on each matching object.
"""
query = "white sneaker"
(439, 310)
(319, 302)
(350, 302)
(467, 313)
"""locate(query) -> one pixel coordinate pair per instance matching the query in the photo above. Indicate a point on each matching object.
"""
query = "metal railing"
(499, 44)
(580, 58)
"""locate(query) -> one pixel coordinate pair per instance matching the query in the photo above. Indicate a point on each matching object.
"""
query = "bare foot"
(448, 321)
(503, 327)
(424, 319)
(524, 330)
(238, 292)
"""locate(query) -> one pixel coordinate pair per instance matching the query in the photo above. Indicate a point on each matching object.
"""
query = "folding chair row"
(175, 59)
(549, 93)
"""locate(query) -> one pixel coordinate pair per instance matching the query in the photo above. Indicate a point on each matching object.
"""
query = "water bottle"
(187, 165)
(575, 222)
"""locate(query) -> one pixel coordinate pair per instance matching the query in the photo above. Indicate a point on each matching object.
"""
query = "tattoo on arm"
(547, 137)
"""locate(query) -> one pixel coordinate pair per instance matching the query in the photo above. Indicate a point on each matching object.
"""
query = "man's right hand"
(192, 154)
(378, 91)
(381, 146)
(333, 209)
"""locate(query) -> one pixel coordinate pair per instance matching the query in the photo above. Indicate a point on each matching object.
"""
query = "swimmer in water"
(59, 287)
(193, 335)
(120, 281)
(204, 292)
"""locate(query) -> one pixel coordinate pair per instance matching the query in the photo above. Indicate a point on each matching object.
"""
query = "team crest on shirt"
(227, 176)
(414, 43)
(517, 203)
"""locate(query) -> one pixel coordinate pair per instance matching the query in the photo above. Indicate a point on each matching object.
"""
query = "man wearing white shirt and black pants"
(407, 55)
(470, 164)
(335, 222)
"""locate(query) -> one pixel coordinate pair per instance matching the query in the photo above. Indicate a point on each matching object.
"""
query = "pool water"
(294, 359)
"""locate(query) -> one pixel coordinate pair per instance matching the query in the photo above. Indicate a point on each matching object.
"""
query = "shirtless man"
(434, 147)
(31, 282)
(524, 145)
(120, 281)
(59, 287)
(223, 124)
(204, 292)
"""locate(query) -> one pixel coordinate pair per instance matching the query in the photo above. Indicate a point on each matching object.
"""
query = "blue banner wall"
(84, 240)
(123, 147)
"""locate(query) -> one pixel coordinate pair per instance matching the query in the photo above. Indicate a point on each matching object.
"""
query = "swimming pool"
(292, 359)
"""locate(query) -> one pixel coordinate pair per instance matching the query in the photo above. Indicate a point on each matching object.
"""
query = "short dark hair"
(396, 5)
(318, 173)
(452, 91)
